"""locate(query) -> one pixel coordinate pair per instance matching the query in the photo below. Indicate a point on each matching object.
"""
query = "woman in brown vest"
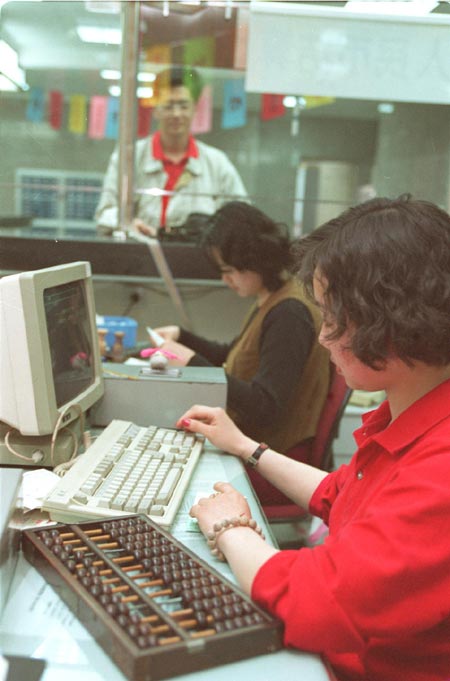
(277, 372)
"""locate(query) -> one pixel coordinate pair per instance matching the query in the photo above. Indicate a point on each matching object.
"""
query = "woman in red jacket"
(374, 599)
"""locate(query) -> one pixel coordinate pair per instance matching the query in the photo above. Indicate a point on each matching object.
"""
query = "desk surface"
(36, 622)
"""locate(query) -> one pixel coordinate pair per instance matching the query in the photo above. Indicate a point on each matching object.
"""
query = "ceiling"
(53, 56)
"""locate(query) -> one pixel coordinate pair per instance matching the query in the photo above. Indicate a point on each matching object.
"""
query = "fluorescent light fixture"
(145, 77)
(114, 90)
(12, 76)
(110, 74)
(385, 108)
(406, 8)
(98, 34)
(113, 74)
(289, 101)
(292, 102)
(141, 92)
(144, 92)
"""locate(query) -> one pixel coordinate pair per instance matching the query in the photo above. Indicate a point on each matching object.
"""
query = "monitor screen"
(70, 339)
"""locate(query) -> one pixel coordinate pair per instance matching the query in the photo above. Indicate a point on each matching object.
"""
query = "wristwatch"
(252, 460)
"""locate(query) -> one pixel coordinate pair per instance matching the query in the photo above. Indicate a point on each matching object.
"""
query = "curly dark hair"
(248, 239)
(386, 269)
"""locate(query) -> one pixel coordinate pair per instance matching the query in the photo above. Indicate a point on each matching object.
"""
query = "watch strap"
(252, 461)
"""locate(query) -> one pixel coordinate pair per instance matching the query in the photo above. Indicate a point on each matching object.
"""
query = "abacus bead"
(202, 618)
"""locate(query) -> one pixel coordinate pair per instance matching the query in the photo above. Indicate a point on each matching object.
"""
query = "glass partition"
(296, 111)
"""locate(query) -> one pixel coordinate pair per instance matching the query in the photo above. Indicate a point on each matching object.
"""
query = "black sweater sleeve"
(207, 353)
(286, 340)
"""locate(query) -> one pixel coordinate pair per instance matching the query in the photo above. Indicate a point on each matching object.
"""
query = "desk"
(130, 259)
(36, 623)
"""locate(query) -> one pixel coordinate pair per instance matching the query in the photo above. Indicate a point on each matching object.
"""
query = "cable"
(56, 429)
(38, 456)
(11, 449)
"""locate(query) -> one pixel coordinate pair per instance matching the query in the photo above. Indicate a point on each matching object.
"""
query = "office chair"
(317, 452)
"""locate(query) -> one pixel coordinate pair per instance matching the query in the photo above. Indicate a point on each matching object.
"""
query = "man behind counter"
(200, 176)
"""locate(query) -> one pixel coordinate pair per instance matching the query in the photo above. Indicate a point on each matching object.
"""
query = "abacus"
(156, 608)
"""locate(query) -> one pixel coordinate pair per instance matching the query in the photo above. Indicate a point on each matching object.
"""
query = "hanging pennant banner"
(234, 112)
(144, 120)
(272, 106)
(202, 121)
(36, 105)
(112, 118)
(199, 52)
(241, 42)
(55, 109)
(97, 117)
(158, 54)
(312, 102)
(77, 114)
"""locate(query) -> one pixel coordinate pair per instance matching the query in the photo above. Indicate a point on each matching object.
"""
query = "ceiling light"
(145, 77)
(385, 108)
(98, 34)
(141, 92)
(144, 92)
(289, 101)
(114, 90)
(112, 74)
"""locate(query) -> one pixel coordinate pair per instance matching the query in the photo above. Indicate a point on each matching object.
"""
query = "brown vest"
(298, 420)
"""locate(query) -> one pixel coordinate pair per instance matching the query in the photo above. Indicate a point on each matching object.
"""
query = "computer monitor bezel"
(27, 398)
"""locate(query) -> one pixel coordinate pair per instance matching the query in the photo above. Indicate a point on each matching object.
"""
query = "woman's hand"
(182, 352)
(169, 333)
(215, 424)
(225, 503)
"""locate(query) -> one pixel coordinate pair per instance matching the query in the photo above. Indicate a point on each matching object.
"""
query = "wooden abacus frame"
(155, 608)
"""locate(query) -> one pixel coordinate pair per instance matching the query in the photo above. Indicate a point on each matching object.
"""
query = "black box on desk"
(10, 480)
(135, 393)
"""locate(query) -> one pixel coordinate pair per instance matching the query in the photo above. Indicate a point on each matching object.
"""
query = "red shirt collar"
(420, 417)
(158, 151)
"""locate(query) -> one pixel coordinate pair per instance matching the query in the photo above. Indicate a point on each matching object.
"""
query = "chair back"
(330, 417)
(320, 452)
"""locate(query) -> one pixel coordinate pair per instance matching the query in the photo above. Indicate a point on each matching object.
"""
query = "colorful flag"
(144, 120)
(202, 121)
(272, 106)
(112, 118)
(97, 117)
(36, 105)
(199, 51)
(55, 109)
(234, 111)
(77, 114)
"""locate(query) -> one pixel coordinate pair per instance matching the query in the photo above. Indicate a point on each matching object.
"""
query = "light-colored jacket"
(207, 182)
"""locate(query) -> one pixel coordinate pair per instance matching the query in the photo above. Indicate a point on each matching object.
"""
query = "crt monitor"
(50, 367)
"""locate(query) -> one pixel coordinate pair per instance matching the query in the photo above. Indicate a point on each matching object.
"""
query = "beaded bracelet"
(227, 524)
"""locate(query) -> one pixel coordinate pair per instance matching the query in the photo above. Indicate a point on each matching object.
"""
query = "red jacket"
(374, 599)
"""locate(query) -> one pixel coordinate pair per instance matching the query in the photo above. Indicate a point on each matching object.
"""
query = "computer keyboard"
(128, 469)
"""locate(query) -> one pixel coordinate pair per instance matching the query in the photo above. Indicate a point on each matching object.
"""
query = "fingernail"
(186, 422)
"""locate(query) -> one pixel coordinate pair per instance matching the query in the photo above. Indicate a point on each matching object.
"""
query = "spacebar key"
(168, 486)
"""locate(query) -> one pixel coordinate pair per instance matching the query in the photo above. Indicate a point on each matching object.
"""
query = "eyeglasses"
(183, 105)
